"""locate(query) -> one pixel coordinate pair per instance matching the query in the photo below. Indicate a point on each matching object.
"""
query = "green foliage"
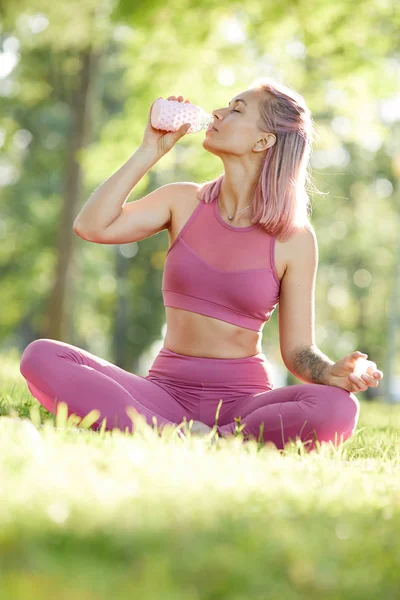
(147, 50)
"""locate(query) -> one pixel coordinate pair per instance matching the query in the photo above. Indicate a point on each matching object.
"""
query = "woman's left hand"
(354, 373)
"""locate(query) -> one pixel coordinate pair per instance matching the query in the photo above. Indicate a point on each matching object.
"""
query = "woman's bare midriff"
(194, 334)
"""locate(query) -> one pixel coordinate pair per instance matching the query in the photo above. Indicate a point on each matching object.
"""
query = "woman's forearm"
(311, 365)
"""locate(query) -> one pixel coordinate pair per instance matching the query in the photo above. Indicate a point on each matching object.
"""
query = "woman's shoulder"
(185, 202)
(299, 246)
(300, 235)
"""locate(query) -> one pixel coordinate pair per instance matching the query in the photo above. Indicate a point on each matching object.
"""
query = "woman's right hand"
(159, 140)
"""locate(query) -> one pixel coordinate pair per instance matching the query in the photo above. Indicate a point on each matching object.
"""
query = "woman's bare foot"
(200, 428)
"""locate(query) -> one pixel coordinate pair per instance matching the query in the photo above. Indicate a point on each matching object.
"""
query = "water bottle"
(169, 115)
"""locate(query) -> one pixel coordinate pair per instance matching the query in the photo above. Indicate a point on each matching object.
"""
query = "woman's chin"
(208, 146)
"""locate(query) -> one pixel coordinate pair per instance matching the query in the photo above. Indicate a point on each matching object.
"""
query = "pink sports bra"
(222, 271)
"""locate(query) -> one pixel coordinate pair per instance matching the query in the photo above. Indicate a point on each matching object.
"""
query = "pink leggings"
(179, 386)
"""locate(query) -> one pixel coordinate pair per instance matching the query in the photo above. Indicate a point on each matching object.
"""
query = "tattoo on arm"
(311, 365)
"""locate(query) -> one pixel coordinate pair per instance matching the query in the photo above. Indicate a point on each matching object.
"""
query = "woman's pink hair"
(281, 204)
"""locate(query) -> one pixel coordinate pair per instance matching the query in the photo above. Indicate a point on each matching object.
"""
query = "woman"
(239, 245)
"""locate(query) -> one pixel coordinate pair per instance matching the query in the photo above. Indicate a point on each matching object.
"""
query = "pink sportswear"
(211, 270)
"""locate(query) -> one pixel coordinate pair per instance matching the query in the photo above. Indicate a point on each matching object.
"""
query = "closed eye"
(236, 110)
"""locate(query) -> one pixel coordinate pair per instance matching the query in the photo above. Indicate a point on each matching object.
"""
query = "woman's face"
(236, 127)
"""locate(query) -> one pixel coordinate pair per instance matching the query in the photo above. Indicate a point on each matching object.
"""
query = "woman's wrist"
(311, 365)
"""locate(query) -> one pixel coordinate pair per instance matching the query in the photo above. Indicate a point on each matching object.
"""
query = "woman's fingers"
(366, 374)
(376, 373)
(358, 382)
(364, 381)
(369, 379)
(178, 98)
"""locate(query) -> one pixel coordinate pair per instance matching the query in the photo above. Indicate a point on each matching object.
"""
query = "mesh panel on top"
(224, 246)
(223, 271)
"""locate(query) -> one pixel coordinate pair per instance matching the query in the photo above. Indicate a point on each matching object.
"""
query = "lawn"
(110, 515)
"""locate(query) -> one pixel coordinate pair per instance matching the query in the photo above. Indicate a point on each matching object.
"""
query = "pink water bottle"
(169, 115)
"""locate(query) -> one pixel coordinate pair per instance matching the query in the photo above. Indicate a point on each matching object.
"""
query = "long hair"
(281, 203)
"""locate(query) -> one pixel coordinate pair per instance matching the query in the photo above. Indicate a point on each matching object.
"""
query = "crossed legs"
(56, 371)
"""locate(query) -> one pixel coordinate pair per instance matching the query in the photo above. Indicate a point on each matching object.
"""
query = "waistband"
(250, 370)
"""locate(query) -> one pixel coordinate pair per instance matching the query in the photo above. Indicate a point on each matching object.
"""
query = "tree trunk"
(58, 317)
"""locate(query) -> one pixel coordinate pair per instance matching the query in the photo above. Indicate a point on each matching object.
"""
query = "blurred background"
(77, 80)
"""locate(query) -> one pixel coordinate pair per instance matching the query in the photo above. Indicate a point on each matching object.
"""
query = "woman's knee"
(343, 409)
(354, 412)
(334, 408)
(34, 354)
(345, 398)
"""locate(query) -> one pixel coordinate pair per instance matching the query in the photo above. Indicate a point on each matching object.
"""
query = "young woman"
(239, 245)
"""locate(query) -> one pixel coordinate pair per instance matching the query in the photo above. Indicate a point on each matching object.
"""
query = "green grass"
(108, 515)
